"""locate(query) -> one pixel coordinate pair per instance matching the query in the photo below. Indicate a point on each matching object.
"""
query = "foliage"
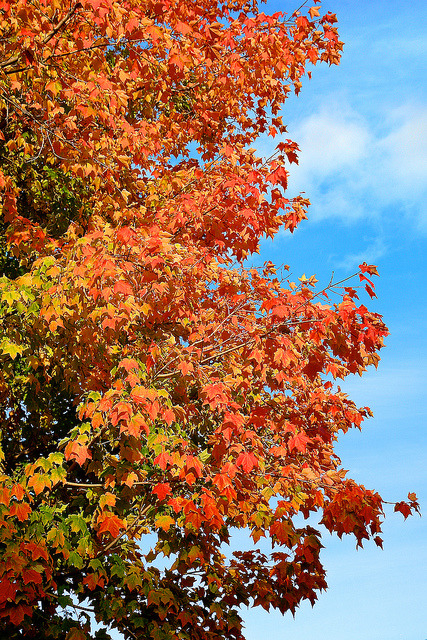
(155, 394)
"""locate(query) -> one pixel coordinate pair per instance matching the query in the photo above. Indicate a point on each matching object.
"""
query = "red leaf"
(370, 291)
(93, 580)
(28, 56)
(17, 613)
(368, 268)
(247, 461)
(7, 590)
(162, 460)
(37, 551)
(378, 541)
(298, 442)
(193, 463)
(222, 480)
(162, 490)
(404, 508)
(30, 575)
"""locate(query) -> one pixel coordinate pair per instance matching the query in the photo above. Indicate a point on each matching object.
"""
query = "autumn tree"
(155, 394)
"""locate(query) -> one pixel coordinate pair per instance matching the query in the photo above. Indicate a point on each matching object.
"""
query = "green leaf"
(75, 559)
(77, 524)
(57, 457)
(65, 601)
(58, 474)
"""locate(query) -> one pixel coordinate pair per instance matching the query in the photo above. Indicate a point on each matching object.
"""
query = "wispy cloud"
(374, 250)
(390, 386)
(404, 152)
(352, 168)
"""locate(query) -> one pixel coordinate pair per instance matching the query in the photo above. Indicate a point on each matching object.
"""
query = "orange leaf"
(185, 367)
(164, 522)
(110, 523)
(76, 451)
(21, 509)
(38, 482)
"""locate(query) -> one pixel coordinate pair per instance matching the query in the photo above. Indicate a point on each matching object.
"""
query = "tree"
(152, 386)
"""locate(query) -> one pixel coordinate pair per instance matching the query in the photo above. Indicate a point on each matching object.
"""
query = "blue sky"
(362, 130)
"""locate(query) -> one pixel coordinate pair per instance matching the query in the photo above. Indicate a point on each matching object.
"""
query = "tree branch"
(49, 36)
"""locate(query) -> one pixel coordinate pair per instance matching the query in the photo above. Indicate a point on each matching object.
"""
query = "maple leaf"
(7, 590)
(18, 491)
(135, 426)
(124, 287)
(162, 459)
(222, 481)
(37, 551)
(168, 416)
(154, 382)
(17, 613)
(298, 442)
(38, 482)
(162, 490)
(93, 580)
(368, 268)
(164, 522)
(185, 367)
(128, 364)
(247, 461)
(110, 523)
(30, 575)
(75, 634)
(78, 452)
(21, 509)
(404, 508)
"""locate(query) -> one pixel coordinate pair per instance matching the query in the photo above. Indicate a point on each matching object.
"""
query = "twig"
(128, 528)
(49, 36)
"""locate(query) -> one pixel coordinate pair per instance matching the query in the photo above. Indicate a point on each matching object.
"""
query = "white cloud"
(371, 254)
(351, 168)
(404, 151)
(331, 141)
(400, 49)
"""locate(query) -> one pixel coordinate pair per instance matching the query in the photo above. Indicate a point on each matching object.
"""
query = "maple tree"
(155, 393)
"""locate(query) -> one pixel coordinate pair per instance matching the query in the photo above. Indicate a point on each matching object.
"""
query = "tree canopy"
(156, 393)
